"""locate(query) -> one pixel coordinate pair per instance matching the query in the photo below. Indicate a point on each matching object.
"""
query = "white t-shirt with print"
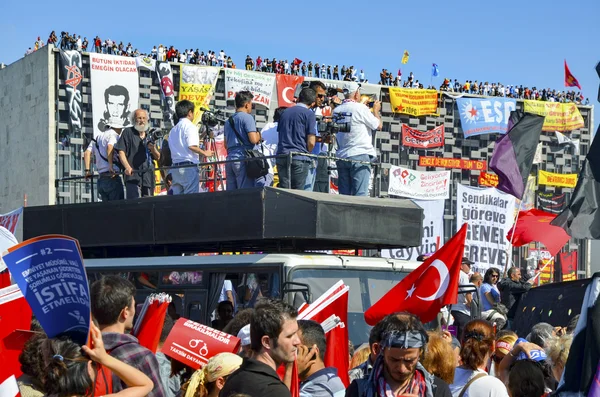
(486, 386)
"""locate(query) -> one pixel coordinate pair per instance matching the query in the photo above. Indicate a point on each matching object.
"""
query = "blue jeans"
(353, 178)
(110, 188)
(185, 180)
(297, 178)
(311, 175)
(236, 172)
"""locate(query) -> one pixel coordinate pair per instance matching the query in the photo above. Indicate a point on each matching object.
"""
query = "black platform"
(257, 220)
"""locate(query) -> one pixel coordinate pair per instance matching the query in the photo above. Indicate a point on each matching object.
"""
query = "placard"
(487, 179)
(446, 162)
(422, 185)
(259, 84)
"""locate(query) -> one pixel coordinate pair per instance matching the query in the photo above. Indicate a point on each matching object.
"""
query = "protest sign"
(197, 84)
(413, 101)
(259, 84)
(485, 116)
(194, 344)
(423, 139)
(560, 180)
(568, 264)
(50, 273)
(433, 232)
(489, 215)
(487, 179)
(545, 265)
(11, 219)
(447, 162)
(409, 183)
(559, 116)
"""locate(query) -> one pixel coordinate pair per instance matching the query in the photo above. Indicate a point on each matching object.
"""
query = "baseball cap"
(350, 87)
(115, 122)
(467, 261)
(244, 335)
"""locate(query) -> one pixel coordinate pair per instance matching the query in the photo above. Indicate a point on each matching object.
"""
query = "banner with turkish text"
(489, 215)
(485, 116)
(197, 84)
(11, 219)
(424, 140)
(551, 202)
(487, 179)
(559, 116)
(568, 265)
(115, 89)
(286, 85)
(446, 162)
(433, 232)
(259, 84)
(70, 73)
(424, 185)
(560, 180)
(413, 101)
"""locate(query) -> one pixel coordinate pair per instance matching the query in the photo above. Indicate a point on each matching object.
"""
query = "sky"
(512, 42)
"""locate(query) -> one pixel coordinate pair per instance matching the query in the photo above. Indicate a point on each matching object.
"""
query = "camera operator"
(184, 144)
(320, 146)
(241, 135)
(353, 178)
(296, 129)
(136, 151)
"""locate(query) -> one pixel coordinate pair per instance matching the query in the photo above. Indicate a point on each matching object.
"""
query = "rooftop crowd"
(321, 70)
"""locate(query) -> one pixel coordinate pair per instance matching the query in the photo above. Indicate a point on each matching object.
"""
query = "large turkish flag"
(286, 84)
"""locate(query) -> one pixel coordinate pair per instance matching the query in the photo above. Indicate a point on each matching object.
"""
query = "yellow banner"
(559, 116)
(197, 84)
(560, 180)
(414, 101)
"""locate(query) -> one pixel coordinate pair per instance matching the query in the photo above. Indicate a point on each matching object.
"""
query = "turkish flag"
(534, 225)
(295, 382)
(426, 289)
(286, 84)
(152, 322)
(9, 387)
(15, 314)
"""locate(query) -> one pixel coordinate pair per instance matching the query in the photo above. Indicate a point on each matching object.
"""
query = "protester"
(526, 379)
(209, 380)
(557, 350)
(511, 289)
(471, 377)
(439, 358)
(356, 145)
(296, 135)
(245, 341)
(30, 383)
(363, 371)
(274, 341)
(316, 379)
(476, 279)
(113, 307)
(67, 372)
(461, 311)
(397, 370)
(504, 344)
(170, 381)
(224, 315)
(491, 308)
(540, 334)
(240, 320)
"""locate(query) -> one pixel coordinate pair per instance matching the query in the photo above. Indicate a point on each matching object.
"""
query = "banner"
(422, 185)
(560, 180)
(70, 73)
(167, 89)
(286, 85)
(489, 215)
(527, 202)
(446, 162)
(49, 272)
(545, 266)
(15, 314)
(197, 84)
(146, 63)
(194, 344)
(423, 140)
(433, 232)
(487, 179)
(413, 101)
(115, 89)
(559, 116)
(259, 84)
(485, 116)
(11, 219)
(551, 202)
(568, 265)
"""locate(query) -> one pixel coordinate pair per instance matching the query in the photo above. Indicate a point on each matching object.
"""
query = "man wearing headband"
(397, 370)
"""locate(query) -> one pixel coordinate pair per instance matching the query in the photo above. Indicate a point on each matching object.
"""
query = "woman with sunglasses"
(492, 309)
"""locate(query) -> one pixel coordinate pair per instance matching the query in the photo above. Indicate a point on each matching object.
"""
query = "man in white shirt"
(357, 145)
(184, 144)
(110, 185)
(221, 58)
(462, 310)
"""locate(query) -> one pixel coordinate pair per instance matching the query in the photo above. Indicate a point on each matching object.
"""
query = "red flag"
(534, 225)
(286, 85)
(570, 80)
(568, 264)
(426, 289)
(295, 386)
(150, 328)
(15, 314)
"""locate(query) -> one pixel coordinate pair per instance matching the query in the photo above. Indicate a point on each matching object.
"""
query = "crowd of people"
(403, 356)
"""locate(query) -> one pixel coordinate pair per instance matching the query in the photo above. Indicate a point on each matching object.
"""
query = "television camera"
(337, 122)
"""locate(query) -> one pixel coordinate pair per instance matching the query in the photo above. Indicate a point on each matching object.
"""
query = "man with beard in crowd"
(137, 153)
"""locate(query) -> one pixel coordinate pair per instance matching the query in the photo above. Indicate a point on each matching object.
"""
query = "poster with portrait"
(197, 84)
(115, 89)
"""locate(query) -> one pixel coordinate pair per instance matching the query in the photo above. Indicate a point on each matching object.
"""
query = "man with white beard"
(136, 152)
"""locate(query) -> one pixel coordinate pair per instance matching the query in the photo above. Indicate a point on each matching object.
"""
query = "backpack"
(257, 165)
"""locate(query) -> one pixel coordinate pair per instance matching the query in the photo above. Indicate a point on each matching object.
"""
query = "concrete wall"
(27, 133)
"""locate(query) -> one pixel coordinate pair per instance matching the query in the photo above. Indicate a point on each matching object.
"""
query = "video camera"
(212, 118)
(333, 124)
(153, 135)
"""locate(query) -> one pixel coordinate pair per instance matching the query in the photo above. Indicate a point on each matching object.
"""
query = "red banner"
(568, 264)
(11, 220)
(445, 162)
(194, 344)
(286, 84)
(423, 140)
(487, 179)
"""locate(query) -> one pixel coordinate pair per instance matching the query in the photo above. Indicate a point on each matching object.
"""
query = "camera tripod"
(213, 172)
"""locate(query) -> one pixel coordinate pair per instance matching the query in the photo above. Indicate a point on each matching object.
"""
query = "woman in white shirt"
(471, 378)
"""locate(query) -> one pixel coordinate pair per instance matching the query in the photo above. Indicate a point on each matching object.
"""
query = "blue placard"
(485, 116)
(50, 273)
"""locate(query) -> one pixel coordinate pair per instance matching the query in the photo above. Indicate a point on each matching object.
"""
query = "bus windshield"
(366, 288)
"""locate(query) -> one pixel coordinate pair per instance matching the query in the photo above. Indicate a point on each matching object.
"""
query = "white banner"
(433, 232)
(421, 185)
(260, 84)
(115, 89)
(489, 213)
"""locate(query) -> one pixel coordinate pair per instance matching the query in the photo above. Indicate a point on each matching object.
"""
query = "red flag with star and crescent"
(570, 80)
(426, 289)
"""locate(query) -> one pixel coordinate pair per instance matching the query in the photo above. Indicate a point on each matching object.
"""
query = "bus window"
(249, 287)
(181, 278)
